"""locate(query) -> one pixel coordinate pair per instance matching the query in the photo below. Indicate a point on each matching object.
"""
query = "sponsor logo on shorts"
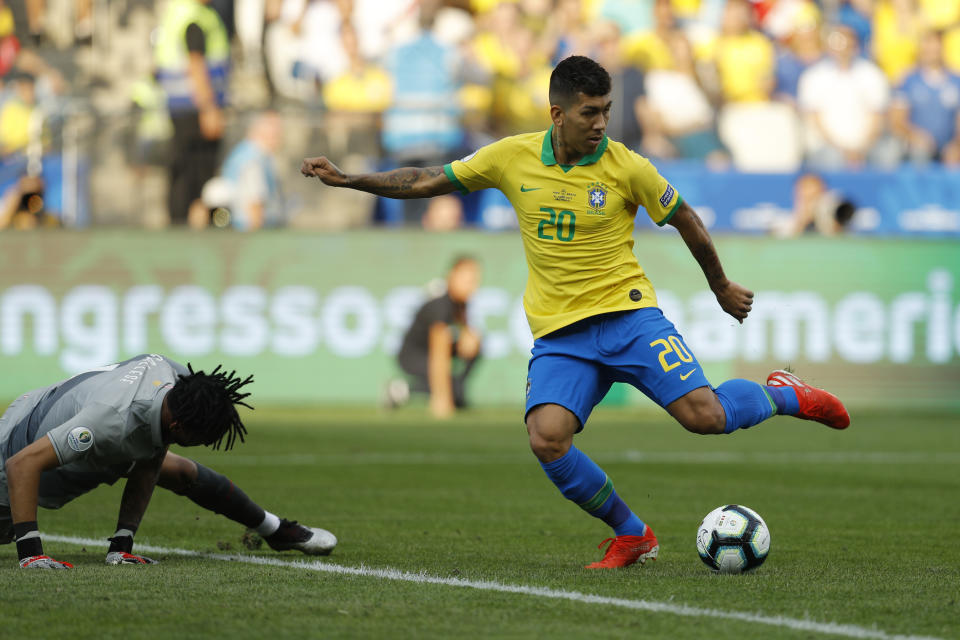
(528, 388)
(80, 439)
(666, 197)
(684, 376)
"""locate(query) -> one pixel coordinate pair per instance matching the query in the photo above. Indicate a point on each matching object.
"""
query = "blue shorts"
(575, 366)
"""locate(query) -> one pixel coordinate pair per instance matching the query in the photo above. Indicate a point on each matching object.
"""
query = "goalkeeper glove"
(121, 544)
(43, 562)
(122, 557)
(30, 549)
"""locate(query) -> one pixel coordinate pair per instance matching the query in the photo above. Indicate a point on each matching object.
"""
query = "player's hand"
(212, 123)
(468, 345)
(735, 300)
(43, 562)
(122, 557)
(321, 167)
(441, 408)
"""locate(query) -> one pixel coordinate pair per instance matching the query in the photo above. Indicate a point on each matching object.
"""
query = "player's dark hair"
(204, 405)
(577, 74)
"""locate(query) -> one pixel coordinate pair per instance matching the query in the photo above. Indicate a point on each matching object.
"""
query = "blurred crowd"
(768, 85)
(758, 85)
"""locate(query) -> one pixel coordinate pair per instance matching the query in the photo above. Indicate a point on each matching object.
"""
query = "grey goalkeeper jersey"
(100, 422)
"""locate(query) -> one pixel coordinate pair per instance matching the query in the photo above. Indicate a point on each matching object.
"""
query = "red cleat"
(815, 404)
(625, 550)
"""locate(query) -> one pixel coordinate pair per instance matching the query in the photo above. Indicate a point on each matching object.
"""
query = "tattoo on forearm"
(701, 246)
(399, 183)
(707, 257)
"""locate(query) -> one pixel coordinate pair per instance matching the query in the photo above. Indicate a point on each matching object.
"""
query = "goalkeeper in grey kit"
(59, 442)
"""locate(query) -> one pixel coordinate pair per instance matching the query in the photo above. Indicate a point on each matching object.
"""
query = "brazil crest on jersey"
(576, 222)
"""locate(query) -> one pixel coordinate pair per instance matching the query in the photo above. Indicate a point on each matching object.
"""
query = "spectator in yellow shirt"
(518, 100)
(940, 14)
(363, 87)
(17, 115)
(951, 49)
(686, 9)
(6, 20)
(677, 118)
(495, 45)
(508, 51)
(355, 99)
(743, 56)
(650, 50)
(897, 28)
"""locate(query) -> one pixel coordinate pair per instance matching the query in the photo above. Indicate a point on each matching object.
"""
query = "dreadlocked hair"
(205, 406)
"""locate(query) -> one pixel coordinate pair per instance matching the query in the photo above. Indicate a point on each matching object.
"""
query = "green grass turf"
(864, 531)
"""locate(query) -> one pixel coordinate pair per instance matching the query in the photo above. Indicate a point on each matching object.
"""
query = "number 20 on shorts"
(671, 345)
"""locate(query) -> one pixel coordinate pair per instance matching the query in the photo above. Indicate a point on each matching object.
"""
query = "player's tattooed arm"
(406, 182)
(733, 298)
(139, 489)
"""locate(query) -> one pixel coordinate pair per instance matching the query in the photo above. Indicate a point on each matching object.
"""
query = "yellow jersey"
(746, 64)
(576, 222)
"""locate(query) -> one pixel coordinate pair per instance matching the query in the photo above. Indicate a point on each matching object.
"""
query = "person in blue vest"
(422, 125)
(192, 57)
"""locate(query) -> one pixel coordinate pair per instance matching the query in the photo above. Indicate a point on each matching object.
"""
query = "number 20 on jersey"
(562, 223)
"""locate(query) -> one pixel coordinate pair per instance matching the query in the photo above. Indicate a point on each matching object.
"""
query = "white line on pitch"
(624, 457)
(829, 628)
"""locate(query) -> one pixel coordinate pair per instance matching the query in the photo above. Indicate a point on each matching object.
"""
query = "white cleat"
(293, 535)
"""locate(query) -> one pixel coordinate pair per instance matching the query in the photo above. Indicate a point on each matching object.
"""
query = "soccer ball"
(733, 539)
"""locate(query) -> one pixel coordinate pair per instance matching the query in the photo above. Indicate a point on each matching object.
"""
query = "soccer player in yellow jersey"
(591, 307)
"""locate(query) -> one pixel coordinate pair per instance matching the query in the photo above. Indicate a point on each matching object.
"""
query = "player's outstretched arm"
(406, 182)
(734, 299)
(141, 482)
(23, 479)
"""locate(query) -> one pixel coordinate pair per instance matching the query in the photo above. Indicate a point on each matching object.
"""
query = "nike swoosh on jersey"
(525, 189)
(684, 376)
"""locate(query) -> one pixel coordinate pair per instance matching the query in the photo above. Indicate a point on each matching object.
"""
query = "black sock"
(28, 539)
(216, 493)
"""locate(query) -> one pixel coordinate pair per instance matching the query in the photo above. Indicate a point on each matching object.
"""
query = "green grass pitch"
(865, 528)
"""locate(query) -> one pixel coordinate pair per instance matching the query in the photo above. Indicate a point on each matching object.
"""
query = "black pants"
(193, 161)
